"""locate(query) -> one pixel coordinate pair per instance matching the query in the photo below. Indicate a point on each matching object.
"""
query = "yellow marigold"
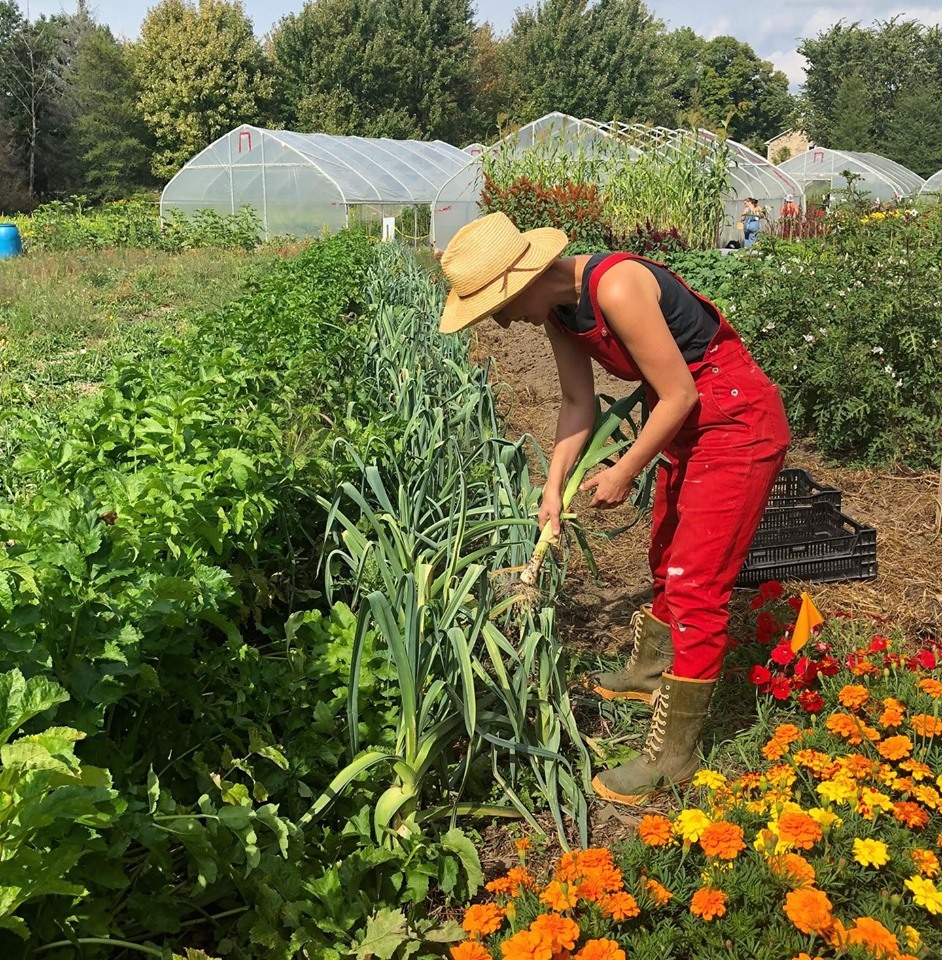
(895, 748)
(825, 818)
(927, 796)
(809, 910)
(690, 824)
(874, 936)
(798, 829)
(658, 892)
(483, 919)
(794, 867)
(708, 903)
(561, 932)
(527, 945)
(559, 896)
(931, 686)
(871, 853)
(470, 950)
(722, 839)
(917, 770)
(870, 801)
(925, 894)
(893, 713)
(910, 814)
(927, 863)
(813, 760)
(912, 937)
(619, 906)
(853, 696)
(655, 830)
(926, 725)
(710, 779)
(602, 949)
(780, 775)
(837, 791)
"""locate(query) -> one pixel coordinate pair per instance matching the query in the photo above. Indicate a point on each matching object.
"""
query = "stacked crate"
(804, 536)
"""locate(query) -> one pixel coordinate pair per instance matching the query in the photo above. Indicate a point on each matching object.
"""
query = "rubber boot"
(669, 756)
(651, 654)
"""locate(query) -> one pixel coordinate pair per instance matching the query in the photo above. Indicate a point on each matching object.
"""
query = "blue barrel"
(10, 243)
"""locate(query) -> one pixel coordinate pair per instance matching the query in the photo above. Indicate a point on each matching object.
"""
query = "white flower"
(809, 338)
(876, 349)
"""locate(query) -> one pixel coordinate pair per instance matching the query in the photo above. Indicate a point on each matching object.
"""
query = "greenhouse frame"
(819, 170)
(933, 185)
(301, 184)
(750, 174)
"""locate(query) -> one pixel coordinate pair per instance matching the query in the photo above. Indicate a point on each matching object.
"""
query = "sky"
(774, 31)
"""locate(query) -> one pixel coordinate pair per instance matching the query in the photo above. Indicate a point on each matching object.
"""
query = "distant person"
(751, 221)
(788, 216)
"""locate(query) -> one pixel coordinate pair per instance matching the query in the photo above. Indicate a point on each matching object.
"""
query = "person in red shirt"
(714, 416)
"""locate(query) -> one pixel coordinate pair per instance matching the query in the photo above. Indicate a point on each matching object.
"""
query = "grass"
(65, 318)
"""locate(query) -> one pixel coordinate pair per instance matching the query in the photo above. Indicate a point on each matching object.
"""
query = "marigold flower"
(912, 937)
(655, 830)
(619, 906)
(910, 814)
(926, 725)
(470, 950)
(931, 686)
(797, 829)
(794, 867)
(927, 863)
(522, 845)
(807, 956)
(870, 800)
(917, 770)
(857, 766)
(483, 918)
(690, 824)
(895, 748)
(603, 949)
(814, 760)
(871, 853)
(853, 696)
(711, 779)
(928, 796)
(811, 701)
(925, 894)
(561, 932)
(837, 791)
(809, 910)
(893, 713)
(708, 903)
(559, 896)
(874, 936)
(658, 892)
(499, 885)
(846, 726)
(527, 945)
(722, 839)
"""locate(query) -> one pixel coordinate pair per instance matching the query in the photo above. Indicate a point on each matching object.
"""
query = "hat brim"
(546, 244)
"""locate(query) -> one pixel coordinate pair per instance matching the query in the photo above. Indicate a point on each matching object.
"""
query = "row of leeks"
(442, 502)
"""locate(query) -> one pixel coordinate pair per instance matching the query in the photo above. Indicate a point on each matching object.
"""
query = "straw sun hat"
(489, 262)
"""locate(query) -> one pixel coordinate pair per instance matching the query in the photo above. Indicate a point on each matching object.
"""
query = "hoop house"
(820, 171)
(933, 185)
(301, 183)
(749, 174)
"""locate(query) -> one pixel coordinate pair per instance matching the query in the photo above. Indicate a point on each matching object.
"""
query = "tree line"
(85, 112)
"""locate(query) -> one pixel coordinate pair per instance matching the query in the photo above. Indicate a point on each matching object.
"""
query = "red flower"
(805, 671)
(828, 666)
(795, 603)
(781, 689)
(771, 590)
(811, 701)
(878, 643)
(783, 653)
(761, 677)
(925, 659)
(767, 628)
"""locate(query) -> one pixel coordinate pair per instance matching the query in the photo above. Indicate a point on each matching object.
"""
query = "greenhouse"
(933, 184)
(747, 173)
(820, 172)
(303, 183)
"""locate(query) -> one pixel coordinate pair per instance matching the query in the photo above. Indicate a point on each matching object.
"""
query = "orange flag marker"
(808, 618)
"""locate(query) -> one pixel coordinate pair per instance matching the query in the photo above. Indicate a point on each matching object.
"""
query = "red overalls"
(712, 490)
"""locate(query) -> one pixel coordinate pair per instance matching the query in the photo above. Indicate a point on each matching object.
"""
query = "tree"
(201, 72)
(13, 188)
(490, 97)
(851, 128)
(913, 134)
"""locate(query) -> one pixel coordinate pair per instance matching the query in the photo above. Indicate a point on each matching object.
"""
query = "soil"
(593, 614)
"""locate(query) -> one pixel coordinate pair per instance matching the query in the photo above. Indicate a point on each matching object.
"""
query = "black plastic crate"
(813, 542)
(794, 487)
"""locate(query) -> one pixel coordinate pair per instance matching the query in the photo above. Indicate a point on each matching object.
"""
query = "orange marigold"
(799, 829)
(809, 910)
(931, 686)
(561, 932)
(895, 748)
(794, 867)
(858, 766)
(917, 769)
(520, 879)
(655, 830)
(813, 760)
(619, 906)
(911, 814)
(722, 839)
(874, 936)
(657, 892)
(893, 713)
(846, 726)
(527, 945)
(603, 949)
(483, 919)
(926, 725)
(708, 903)
(926, 862)
(853, 696)
(559, 896)
(470, 950)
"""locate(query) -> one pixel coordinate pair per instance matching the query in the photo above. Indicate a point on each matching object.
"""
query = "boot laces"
(637, 626)
(655, 740)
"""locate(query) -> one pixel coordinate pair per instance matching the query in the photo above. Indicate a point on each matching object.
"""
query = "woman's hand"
(551, 506)
(612, 488)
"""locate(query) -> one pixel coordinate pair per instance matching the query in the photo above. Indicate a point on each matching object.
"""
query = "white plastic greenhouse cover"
(820, 169)
(750, 175)
(933, 184)
(300, 183)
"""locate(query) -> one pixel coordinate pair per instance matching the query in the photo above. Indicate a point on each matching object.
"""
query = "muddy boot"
(669, 756)
(651, 654)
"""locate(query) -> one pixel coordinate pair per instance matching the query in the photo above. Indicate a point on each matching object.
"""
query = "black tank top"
(690, 323)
